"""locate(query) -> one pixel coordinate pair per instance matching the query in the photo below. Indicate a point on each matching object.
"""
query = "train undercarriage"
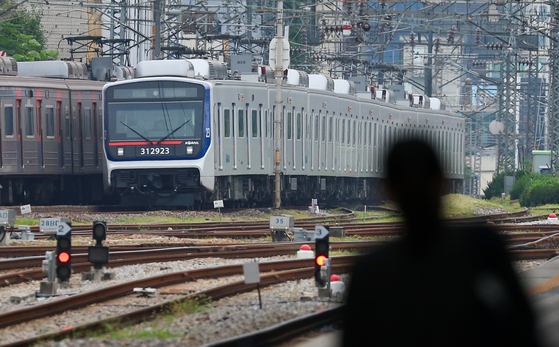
(53, 190)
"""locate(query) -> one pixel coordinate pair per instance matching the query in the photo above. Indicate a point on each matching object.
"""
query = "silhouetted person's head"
(415, 182)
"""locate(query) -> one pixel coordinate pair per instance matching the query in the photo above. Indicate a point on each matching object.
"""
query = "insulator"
(478, 36)
(366, 27)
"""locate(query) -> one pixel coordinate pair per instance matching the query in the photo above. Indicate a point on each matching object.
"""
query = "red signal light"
(64, 257)
(321, 259)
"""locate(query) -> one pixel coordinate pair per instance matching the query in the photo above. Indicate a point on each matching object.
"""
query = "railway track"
(135, 254)
(281, 271)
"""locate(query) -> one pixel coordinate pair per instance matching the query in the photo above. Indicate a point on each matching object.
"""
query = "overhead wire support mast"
(554, 88)
(278, 46)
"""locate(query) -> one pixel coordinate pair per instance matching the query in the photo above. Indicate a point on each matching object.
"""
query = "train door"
(305, 139)
(30, 153)
(246, 125)
(87, 139)
(322, 143)
(286, 130)
(95, 135)
(255, 148)
(328, 143)
(1, 141)
(19, 128)
(60, 135)
(40, 133)
(77, 136)
(299, 141)
(217, 127)
(49, 140)
(9, 146)
(261, 134)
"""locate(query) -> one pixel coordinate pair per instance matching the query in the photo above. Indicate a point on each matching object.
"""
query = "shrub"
(523, 179)
(495, 187)
(540, 191)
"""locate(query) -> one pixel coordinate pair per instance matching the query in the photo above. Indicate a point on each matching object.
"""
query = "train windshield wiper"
(172, 132)
(137, 133)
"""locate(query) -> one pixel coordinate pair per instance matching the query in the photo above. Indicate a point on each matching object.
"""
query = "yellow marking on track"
(543, 287)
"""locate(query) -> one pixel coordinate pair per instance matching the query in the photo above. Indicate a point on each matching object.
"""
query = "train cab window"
(49, 111)
(227, 123)
(30, 121)
(9, 121)
(254, 123)
(289, 125)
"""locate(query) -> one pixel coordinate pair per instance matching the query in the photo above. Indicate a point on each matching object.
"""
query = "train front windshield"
(155, 111)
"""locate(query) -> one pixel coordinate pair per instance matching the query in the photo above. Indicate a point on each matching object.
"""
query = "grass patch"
(159, 328)
(344, 252)
(457, 205)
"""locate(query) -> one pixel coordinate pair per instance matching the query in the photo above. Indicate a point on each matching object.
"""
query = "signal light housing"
(64, 255)
(322, 245)
(99, 231)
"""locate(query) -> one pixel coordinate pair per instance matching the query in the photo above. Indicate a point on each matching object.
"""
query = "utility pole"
(554, 88)
(157, 29)
(429, 67)
(279, 51)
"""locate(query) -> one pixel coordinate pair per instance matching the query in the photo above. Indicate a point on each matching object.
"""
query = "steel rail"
(305, 268)
(262, 226)
(141, 258)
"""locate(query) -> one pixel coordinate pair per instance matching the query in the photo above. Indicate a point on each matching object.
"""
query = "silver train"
(51, 139)
(181, 133)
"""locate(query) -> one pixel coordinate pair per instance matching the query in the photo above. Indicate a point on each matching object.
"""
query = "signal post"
(322, 262)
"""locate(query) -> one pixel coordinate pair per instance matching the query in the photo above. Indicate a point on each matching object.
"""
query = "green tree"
(21, 33)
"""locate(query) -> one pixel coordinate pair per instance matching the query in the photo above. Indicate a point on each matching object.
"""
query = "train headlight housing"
(189, 149)
(120, 151)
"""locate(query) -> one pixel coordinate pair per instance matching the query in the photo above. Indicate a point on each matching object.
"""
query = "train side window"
(50, 121)
(227, 123)
(266, 122)
(29, 121)
(298, 125)
(67, 128)
(343, 131)
(323, 128)
(218, 112)
(330, 129)
(241, 123)
(289, 125)
(349, 132)
(354, 132)
(87, 123)
(254, 123)
(309, 123)
(316, 128)
(9, 121)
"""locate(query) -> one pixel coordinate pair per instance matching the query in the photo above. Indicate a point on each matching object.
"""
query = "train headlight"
(120, 151)
(189, 149)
